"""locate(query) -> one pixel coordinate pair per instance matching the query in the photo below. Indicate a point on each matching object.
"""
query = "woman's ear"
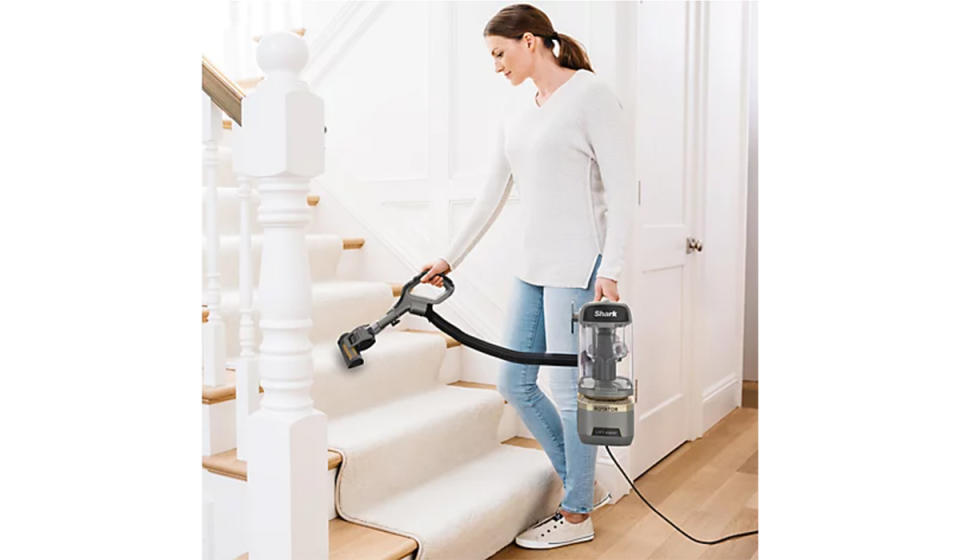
(528, 39)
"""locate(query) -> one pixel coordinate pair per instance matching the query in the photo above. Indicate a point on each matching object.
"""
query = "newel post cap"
(283, 121)
(282, 51)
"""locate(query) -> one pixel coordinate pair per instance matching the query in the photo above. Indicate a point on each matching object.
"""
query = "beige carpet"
(421, 458)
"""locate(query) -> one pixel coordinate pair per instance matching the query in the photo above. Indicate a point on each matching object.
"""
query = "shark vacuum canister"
(605, 391)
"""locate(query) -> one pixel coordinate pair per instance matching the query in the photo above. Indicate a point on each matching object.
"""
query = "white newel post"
(281, 146)
(214, 339)
(248, 380)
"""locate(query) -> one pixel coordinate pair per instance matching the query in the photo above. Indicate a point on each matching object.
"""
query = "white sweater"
(571, 161)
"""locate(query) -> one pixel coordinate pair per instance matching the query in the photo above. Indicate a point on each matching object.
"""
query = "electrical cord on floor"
(694, 539)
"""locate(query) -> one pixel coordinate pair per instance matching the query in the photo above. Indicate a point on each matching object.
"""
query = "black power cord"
(694, 539)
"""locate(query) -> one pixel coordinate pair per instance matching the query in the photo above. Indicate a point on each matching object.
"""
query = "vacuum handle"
(409, 286)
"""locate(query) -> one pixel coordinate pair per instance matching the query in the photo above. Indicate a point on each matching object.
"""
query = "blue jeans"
(540, 322)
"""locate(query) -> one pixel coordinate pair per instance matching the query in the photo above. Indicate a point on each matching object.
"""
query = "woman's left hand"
(606, 287)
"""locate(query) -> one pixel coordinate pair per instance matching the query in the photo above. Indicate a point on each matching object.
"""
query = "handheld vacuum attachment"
(363, 337)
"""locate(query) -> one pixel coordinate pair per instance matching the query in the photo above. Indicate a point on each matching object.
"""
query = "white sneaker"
(554, 532)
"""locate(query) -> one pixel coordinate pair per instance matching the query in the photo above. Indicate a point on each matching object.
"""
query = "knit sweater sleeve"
(608, 134)
(487, 207)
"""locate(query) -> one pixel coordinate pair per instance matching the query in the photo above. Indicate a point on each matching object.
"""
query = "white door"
(660, 276)
(718, 321)
(687, 306)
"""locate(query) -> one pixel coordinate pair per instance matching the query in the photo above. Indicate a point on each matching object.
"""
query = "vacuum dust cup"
(605, 391)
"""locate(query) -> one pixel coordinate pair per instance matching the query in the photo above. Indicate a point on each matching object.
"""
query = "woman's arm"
(487, 207)
(608, 133)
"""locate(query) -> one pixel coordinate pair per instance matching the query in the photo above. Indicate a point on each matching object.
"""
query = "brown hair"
(513, 21)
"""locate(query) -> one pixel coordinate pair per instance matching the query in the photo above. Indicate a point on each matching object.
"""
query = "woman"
(568, 151)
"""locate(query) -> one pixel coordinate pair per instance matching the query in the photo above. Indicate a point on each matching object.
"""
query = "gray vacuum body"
(605, 391)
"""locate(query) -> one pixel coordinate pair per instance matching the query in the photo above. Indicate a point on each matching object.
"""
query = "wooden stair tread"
(227, 464)
(350, 540)
(523, 442)
(220, 393)
(474, 385)
(353, 243)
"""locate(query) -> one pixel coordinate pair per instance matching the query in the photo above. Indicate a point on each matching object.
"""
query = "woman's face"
(510, 57)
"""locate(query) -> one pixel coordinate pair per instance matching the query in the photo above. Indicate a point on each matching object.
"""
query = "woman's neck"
(549, 77)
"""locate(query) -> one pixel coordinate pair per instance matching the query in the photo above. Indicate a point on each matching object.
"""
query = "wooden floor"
(708, 487)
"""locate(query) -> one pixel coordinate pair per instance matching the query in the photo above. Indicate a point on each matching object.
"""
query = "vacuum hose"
(569, 360)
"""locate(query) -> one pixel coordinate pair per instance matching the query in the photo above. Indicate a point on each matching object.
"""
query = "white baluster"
(214, 340)
(281, 145)
(248, 381)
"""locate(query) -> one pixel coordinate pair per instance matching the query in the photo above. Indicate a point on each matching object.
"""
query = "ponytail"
(572, 54)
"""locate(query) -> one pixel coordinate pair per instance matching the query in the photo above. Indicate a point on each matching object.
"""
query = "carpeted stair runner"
(423, 459)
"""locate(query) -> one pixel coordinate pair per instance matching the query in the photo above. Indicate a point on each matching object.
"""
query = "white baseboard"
(721, 398)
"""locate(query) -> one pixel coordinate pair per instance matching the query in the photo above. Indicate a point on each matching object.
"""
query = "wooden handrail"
(224, 92)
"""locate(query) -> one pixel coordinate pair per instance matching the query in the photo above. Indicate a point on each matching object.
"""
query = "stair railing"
(223, 96)
(281, 146)
(214, 336)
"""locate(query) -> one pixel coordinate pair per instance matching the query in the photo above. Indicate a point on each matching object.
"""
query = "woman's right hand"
(436, 268)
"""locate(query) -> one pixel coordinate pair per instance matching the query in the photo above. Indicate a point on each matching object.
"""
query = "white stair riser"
(219, 427)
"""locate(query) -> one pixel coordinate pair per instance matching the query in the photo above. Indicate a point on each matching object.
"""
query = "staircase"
(420, 464)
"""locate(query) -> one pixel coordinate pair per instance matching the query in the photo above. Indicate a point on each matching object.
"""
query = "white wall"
(750, 328)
